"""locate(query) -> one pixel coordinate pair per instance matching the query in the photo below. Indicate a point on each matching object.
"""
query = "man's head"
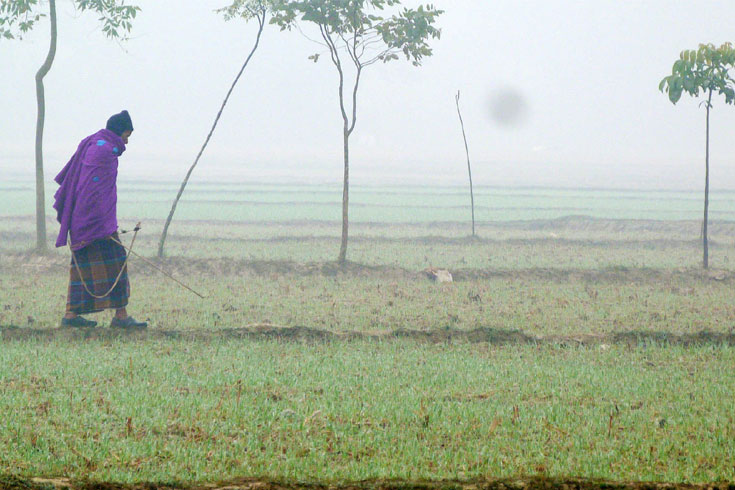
(121, 125)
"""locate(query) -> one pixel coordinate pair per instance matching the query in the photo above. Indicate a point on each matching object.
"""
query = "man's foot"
(128, 323)
(78, 322)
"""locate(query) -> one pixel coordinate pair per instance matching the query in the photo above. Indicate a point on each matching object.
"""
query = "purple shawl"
(86, 202)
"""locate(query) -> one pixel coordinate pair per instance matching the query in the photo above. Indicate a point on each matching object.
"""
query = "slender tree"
(703, 71)
(469, 167)
(354, 32)
(41, 246)
(248, 10)
(18, 17)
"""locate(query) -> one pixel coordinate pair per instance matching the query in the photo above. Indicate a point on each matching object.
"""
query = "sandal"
(128, 323)
(78, 322)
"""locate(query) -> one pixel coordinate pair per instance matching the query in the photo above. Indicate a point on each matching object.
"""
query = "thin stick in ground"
(469, 167)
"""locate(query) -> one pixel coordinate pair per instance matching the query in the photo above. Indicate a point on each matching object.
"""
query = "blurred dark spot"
(508, 107)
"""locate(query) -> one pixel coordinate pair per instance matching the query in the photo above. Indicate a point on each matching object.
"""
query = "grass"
(534, 305)
(590, 277)
(199, 411)
(210, 403)
(572, 243)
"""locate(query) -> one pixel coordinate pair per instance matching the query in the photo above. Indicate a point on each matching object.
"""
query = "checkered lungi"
(99, 264)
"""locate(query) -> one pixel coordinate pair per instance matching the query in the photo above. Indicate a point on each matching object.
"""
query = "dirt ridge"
(521, 483)
(183, 267)
(264, 332)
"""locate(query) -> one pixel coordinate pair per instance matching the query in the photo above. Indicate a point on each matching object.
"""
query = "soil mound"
(11, 483)
(297, 333)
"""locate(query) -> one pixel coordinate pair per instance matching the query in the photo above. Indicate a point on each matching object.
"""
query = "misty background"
(556, 93)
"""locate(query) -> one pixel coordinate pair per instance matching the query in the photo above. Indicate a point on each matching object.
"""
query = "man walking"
(86, 206)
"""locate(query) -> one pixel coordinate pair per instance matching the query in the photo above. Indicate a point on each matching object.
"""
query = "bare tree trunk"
(469, 167)
(346, 131)
(347, 128)
(41, 246)
(706, 189)
(162, 241)
(345, 199)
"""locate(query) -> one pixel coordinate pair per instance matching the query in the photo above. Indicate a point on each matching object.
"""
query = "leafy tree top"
(246, 9)
(367, 35)
(703, 70)
(18, 17)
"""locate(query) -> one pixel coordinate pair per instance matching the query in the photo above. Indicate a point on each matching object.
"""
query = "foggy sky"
(586, 74)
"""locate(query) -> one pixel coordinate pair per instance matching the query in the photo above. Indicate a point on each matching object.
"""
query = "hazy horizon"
(586, 75)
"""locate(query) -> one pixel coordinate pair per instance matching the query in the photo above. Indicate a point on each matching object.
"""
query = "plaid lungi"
(99, 263)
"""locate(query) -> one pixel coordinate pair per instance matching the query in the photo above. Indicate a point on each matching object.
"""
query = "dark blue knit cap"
(119, 123)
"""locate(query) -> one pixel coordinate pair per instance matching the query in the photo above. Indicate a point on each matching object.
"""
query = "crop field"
(579, 339)
(258, 202)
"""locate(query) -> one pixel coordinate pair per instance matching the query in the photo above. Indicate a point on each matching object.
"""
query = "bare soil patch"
(11, 483)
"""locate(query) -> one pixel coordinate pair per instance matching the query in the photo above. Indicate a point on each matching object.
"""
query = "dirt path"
(301, 333)
(10, 483)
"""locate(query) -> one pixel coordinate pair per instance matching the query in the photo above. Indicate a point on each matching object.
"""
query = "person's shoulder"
(101, 149)
(105, 146)
(104, 143)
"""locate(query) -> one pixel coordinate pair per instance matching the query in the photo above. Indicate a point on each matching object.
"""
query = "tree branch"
(379, 57)
(261, 24)
(335, 59)
(298, 27)
(354, 100)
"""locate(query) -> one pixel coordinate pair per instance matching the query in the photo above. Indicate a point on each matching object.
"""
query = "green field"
(580, 338)
(385, 204)
(128, 411)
